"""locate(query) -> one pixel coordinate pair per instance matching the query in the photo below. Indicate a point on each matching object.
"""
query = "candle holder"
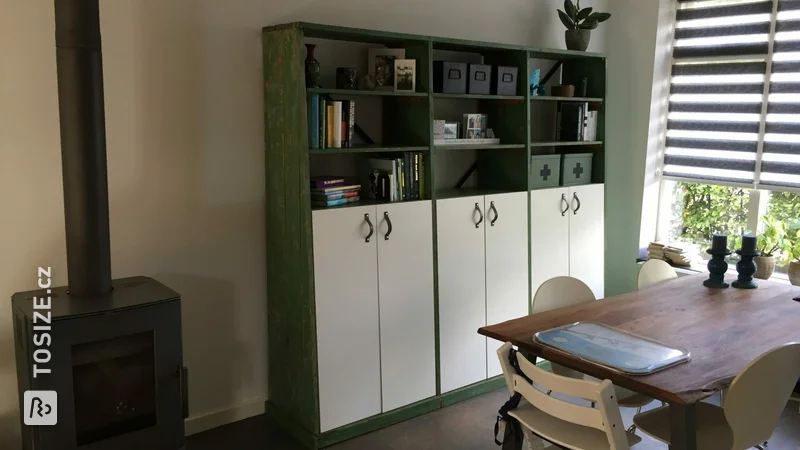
(746, 268)
(717, 267)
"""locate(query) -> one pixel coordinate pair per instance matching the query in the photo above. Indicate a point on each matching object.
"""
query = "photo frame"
(405, 75)
(381, 66)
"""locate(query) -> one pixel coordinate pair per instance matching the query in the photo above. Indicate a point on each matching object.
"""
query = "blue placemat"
(612, 348)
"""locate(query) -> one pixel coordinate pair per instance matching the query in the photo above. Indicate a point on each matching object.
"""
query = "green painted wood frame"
(291, 316)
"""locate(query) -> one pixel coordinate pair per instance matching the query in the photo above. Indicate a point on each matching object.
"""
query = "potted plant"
(579, 23)
(791, 250)
(770, 241)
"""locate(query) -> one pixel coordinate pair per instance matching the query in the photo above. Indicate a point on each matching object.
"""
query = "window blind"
(734, 106)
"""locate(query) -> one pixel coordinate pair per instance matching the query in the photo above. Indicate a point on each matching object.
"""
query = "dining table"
(724, 329)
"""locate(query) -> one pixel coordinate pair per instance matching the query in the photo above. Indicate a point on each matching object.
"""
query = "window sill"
(701, 268)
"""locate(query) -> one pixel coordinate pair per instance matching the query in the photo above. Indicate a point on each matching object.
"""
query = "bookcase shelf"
(479, 97)
(566, 143)
(440, 148)
(356, 92)
(319, 265)
(367, 149)
(545, 98)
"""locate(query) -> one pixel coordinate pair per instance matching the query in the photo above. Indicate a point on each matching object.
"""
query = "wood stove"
(112, 348)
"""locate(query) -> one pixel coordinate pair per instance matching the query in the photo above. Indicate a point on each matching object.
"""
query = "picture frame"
(405, 75)
(451, 130)
(381, 66)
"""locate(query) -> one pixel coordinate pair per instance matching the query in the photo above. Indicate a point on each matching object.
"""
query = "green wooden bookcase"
(293, 400)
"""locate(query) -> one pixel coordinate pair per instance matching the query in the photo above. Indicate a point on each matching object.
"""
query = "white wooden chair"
(654, 271)
(752, 408)
(565, 424)
(560, 292)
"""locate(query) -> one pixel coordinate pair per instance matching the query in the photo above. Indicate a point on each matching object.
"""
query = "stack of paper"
(656, 250)
(677, 254)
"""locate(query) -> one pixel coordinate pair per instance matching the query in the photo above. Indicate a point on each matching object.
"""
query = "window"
(732, 149)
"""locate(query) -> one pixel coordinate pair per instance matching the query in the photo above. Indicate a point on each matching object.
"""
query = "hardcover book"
(328, 181)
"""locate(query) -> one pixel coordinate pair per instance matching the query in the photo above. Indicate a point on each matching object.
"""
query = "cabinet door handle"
(480, 215)
(496, 215)
(565, 203)
(576, 199)
(371, 228)
(388, 223)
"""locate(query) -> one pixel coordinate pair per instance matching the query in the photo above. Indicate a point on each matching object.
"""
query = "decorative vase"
(794, 273)
(577, 39)
(765, 266)
(312, 67)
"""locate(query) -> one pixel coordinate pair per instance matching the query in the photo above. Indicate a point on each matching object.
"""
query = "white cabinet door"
(405, 296)
(462, 291)
(550, 216)
(346, 289)
(587, 236)
(506, 265)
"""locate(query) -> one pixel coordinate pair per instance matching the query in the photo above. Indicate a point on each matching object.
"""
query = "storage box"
(576, 169)
(505, 80)
(449, 77)
(480, 79)
(545, 171)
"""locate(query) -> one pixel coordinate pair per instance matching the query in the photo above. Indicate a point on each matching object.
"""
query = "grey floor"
(465, 426)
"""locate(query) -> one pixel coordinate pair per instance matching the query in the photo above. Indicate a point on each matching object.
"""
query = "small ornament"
(368, 83)
(746, 266)
(346, 78)
(717, 266)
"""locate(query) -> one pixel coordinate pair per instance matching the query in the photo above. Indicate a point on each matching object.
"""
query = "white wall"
(631, 50)
(184, 124)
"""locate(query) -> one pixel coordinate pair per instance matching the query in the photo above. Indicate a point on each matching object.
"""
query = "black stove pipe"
(83, 146)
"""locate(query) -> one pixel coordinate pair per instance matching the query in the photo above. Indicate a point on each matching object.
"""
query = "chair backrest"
(759, 394)
(655, 271)
(560, 292)
(606, 417)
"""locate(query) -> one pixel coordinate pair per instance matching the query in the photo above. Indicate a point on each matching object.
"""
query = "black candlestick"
(719, 242)
(717, 266)
(746, 266)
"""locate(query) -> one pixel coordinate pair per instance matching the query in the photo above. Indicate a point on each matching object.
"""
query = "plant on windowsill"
(770, 241)
(791, 250)
(579, 23)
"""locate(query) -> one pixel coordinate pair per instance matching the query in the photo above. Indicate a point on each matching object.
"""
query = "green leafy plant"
(772, 238)
(575, 18)
(791, 247)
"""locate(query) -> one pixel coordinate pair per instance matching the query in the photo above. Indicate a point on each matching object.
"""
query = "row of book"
(331, 123)
(397, 179)
(333, 191)
(577, 123)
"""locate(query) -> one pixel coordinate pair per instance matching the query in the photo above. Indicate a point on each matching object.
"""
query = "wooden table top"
(724, 329)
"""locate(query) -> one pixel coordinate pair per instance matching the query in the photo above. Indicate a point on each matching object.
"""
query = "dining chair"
(561, 292)
(752, 407)
(559, 422)
(654, 271)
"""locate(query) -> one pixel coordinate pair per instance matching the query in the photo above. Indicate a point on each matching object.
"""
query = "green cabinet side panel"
(291, 320)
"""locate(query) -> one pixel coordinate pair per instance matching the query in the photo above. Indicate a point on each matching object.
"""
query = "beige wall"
(184, 124)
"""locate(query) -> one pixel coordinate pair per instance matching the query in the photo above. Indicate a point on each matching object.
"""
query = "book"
(329, 127)
(421, 175)
(332, 196)
(328, 181)
(345, 119)
(323, 112)
(401, 186)
(351, 122)
(591, 126)
(337, 125)
(486, 141)
(341, 201)
(313, 120)
(334, 189)
(416, 176)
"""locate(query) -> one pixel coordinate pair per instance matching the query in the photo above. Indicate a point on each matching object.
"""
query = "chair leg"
(632, 428)
(760, 447)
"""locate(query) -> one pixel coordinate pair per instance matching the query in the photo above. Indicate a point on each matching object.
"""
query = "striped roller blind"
(734, 106)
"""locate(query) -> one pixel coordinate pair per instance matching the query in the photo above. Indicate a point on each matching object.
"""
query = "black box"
(449, 77)
(480, 79)
(505, 80)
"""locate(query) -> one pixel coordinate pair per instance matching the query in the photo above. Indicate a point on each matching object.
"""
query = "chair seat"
(563, 433)
(713, 431)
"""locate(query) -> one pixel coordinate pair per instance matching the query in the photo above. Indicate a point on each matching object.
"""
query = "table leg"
(682, 427)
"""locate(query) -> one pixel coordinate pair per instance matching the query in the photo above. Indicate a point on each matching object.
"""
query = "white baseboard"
(245, 410)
